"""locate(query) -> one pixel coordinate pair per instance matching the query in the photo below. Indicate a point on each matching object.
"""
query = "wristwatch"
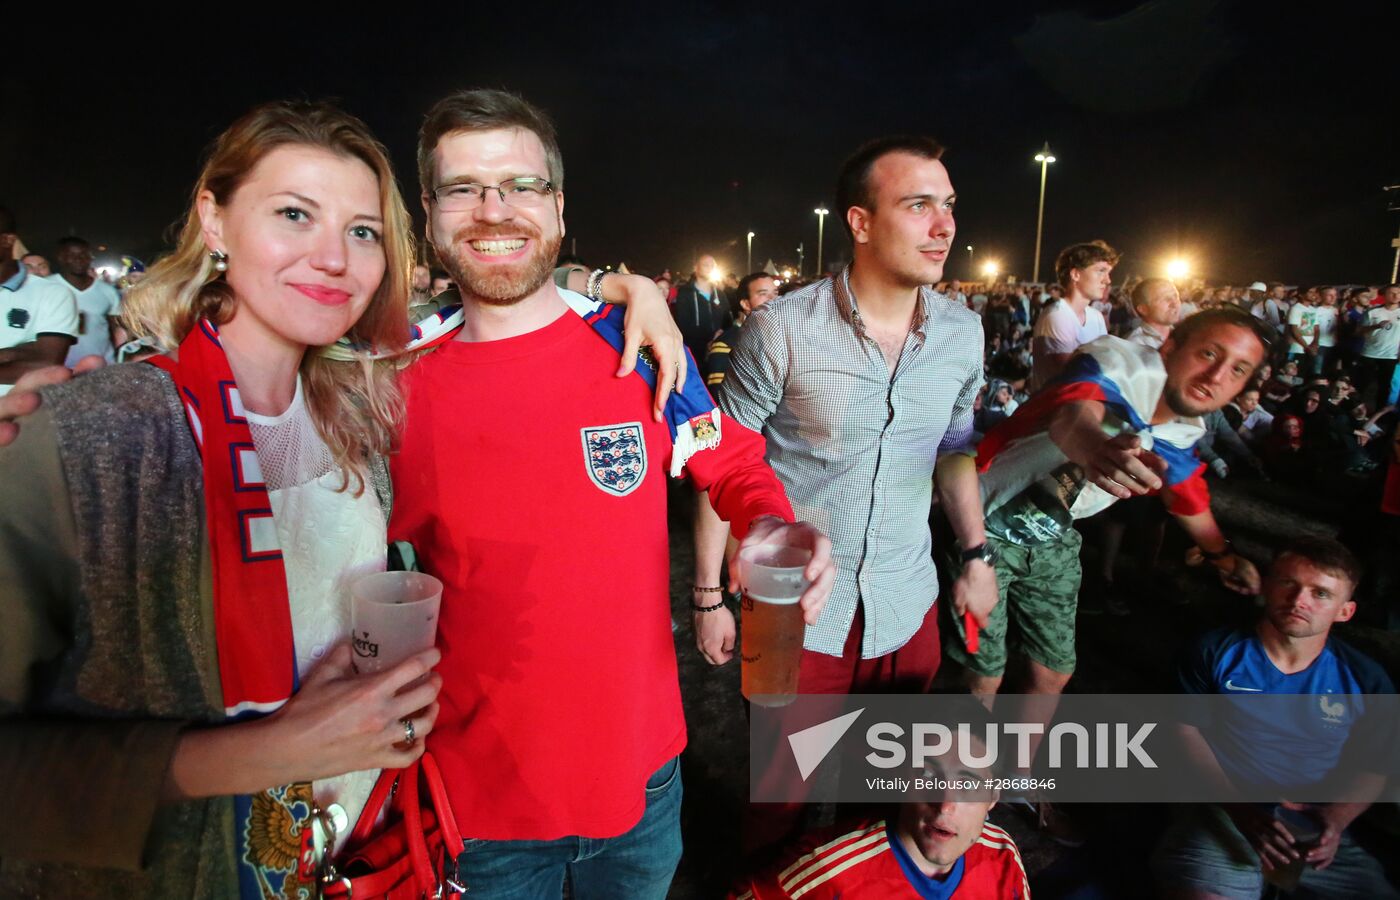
(983, 551)
(1229, 550)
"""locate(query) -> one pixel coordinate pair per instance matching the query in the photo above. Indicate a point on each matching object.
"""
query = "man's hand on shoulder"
(648, 323)
(820, 572)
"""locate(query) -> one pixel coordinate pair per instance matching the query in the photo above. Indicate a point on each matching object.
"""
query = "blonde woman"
(176, 539)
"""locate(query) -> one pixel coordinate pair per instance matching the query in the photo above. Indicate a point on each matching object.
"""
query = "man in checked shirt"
(863, 385)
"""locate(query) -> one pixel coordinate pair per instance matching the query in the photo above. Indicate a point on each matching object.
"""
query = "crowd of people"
(178, 534)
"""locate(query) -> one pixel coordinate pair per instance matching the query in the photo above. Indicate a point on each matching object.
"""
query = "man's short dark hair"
(1326, 554)
(1082, 256)
(486, 109)
(71, 240)
(853, 183)
(1143, 288)
(1224, 315)
(7, 221)
(743, 291)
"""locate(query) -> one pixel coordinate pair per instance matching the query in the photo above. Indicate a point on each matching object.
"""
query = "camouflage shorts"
(1039, 588)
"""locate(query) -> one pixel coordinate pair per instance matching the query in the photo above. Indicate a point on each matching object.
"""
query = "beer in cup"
(393, 615)
(1306, 831)
(772, 579)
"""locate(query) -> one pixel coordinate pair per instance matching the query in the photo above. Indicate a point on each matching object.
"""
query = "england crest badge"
(616, 457)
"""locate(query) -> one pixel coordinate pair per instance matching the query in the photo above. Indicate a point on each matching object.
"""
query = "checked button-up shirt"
(855, 446)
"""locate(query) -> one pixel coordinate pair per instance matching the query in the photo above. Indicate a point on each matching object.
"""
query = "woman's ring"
(410, 737)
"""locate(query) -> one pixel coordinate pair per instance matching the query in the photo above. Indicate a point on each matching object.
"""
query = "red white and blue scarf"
(252, 616)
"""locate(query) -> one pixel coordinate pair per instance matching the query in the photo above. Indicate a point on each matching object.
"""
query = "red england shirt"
(532, 481)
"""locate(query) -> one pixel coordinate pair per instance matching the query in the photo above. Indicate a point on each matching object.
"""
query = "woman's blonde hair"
(355, 405)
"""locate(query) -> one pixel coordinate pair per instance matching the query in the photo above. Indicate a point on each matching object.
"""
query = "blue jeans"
(637, 865)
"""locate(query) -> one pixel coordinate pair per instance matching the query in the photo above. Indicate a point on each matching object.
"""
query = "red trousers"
(908, 670)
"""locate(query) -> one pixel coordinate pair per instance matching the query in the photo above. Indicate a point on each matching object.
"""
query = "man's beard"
(500, 285)
(1178, 403)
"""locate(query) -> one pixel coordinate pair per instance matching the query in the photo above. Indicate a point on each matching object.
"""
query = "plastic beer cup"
(772, 579)
(393, 615)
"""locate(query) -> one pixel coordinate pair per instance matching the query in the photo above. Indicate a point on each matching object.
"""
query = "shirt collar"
(17, 280)
(850, 311)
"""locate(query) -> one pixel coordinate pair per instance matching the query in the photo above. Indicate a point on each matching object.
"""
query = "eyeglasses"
(519, 193)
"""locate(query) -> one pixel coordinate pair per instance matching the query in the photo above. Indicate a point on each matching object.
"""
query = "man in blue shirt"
(1228, 851)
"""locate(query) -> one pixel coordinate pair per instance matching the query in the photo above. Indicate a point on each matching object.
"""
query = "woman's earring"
(220, 259)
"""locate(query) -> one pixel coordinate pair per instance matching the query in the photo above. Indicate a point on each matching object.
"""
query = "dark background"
(1252, 140)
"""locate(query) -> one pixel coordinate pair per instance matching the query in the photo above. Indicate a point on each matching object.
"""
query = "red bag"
(415, 856)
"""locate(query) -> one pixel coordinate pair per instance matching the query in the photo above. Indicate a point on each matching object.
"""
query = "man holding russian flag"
(1120, 420)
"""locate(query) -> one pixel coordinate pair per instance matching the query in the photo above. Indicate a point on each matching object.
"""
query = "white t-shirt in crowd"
(95, 305)
(1384, 342)
(1304, 317)
(1326, 318)
(31, 306)
(1058, 330)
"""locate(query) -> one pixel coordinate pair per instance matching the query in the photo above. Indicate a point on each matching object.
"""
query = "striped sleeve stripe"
(992, 831)
(746, 895)
(827, 874)
(715, 378)
(830, 853)
(997, 839)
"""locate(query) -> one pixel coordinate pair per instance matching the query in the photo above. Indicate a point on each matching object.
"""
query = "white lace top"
(329, 538)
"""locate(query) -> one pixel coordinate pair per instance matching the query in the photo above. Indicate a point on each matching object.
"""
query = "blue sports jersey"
(1275, 743)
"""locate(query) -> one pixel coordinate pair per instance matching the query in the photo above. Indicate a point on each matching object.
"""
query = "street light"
(991, 269)
(1045, 159)
(1178, 269)
(750, 268)
(821, 212)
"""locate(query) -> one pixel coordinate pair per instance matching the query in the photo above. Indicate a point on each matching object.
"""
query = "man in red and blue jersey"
(1227, 850)
(936, 849)
(1120, 421)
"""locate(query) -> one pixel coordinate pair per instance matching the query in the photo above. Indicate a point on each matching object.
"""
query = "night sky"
(1254, 142)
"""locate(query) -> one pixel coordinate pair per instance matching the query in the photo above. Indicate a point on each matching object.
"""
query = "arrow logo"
(811, 745)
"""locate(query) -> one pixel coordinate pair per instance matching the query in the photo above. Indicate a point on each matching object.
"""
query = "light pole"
(969, 260)
(801, 260)
(821, 212)
(750, 268)
(1045, 159)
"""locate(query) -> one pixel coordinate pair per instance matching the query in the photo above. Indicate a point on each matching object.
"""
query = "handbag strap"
(437, 793)
(413, 831)
(383, 787)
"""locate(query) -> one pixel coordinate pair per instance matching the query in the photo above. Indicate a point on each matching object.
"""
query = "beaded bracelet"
(595, 285)
(717, 589)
